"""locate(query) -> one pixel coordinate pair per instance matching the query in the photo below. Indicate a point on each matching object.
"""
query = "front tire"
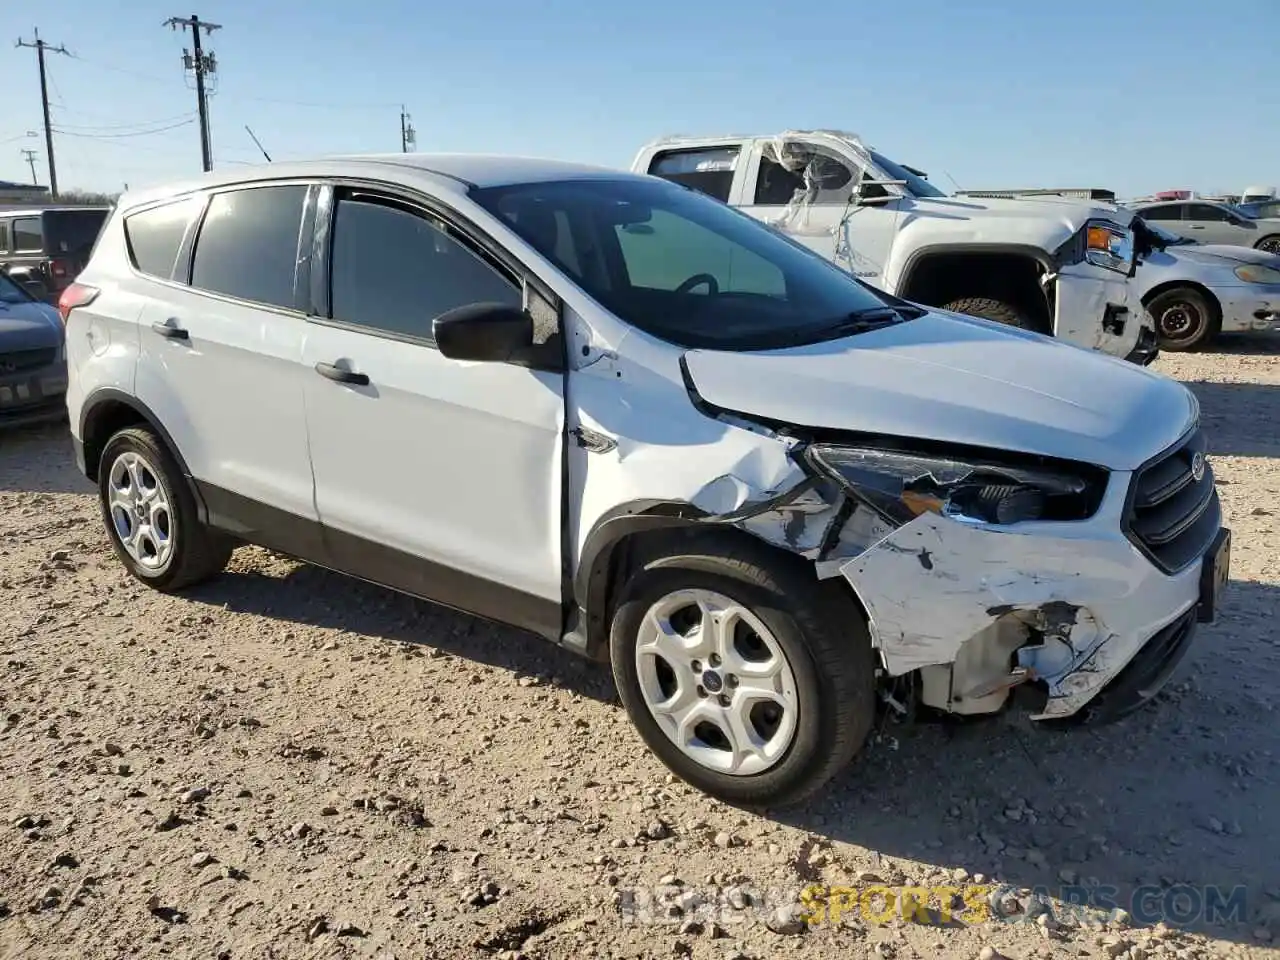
(748, 678)
(1269, 244)
(995, 310)
(151, 517)
(1185, 319)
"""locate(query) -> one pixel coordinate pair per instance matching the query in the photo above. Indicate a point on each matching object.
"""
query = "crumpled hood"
(1215, 253)
(28, 326)
(949, 378)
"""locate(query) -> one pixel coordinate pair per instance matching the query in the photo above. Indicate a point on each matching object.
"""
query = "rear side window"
(248, 244)
(27, 236)
(1171, 212)
(154, 236)
(396, 270)
(710, 170)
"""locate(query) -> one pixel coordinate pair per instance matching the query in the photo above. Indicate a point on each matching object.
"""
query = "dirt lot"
(286, 763)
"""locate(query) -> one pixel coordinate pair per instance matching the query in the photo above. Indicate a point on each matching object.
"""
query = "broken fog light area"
(901, 486)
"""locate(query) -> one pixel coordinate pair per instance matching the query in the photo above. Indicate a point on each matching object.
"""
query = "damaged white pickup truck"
(1055, 266)
(624, 416)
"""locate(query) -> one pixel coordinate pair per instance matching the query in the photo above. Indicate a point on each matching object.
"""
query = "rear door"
(69, 236)
(220, 359)
(436, 476)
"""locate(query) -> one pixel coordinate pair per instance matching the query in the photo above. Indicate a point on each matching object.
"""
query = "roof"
(458, 171)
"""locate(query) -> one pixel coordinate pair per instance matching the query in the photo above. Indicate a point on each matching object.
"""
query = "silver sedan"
(1209, 221)
(1194, 291)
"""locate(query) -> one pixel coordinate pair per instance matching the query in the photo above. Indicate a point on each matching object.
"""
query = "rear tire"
(151, 516)
(1185, 319)
(721, 610)
(1269, 244)
(994, 310)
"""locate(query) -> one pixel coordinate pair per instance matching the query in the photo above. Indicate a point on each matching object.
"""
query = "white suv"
(624, 416)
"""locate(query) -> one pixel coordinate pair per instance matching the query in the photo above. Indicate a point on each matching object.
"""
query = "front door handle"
(341, 375)
(170, 330)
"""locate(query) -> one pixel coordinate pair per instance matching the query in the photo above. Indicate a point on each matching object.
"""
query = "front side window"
(689, 269)
(248, 244)
(806, 173)
(396, 269)
(154, 236)
(27, 235)
(1206, 213)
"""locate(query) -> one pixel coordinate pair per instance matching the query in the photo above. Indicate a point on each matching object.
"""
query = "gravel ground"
(287, 763)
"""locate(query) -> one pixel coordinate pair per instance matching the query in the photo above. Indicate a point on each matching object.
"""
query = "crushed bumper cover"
(1073, 605)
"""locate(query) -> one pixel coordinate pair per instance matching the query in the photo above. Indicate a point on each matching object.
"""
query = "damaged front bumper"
(1077, 609)
(1093, 308)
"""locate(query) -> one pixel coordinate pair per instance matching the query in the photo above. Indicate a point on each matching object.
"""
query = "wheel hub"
(717, 682)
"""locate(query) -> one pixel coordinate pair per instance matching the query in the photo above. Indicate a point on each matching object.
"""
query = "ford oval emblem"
(1197, 466)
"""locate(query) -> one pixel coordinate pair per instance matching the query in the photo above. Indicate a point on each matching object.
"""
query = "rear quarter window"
(154, 236)
(27, 235)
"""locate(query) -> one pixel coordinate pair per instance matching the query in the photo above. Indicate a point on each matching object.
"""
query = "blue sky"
(1136, 96)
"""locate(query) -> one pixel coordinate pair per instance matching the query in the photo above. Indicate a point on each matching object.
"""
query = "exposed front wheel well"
(1011, 278)
(661, 546)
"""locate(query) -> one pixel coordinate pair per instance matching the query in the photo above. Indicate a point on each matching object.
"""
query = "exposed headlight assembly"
(1109, 245)
(901, 486)
(1257, 273)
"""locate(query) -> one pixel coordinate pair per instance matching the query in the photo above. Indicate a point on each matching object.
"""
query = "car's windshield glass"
(687, 268)
(919, 186)
(10, 292)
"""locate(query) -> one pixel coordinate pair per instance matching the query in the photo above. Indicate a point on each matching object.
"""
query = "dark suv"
(47, 246)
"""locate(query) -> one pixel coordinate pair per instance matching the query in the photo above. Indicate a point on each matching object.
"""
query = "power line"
(130, 125)
(202, 64)
(40, 47)
(132, 133)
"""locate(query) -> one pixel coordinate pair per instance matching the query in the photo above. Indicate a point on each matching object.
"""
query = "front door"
(435, 476)
(806, 190)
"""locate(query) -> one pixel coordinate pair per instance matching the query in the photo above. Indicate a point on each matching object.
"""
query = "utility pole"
(408, 137)
(30, 157)
(202, 64)
(40, 47)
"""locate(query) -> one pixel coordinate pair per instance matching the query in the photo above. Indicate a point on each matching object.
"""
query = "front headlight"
(1109, 245)
(901, 486)
(1257, 273)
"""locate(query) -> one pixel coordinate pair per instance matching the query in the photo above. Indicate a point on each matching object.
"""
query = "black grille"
(19, 360)
(1173, 516)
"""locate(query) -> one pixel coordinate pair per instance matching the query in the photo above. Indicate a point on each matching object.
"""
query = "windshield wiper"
(872, 318)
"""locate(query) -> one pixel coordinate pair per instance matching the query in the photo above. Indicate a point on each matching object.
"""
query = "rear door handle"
(341, 375)
(170, 330)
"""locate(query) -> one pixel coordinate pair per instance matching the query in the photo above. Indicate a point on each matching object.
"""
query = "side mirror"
(492, 332)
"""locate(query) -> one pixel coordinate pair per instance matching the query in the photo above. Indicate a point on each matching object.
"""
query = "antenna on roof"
(258, 143)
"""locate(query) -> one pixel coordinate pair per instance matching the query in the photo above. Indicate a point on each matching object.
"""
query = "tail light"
(60, 269)
(75, 295)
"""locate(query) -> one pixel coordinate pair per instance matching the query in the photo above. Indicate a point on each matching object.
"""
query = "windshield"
(919, 186)
(10, 292)
(688, 268)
